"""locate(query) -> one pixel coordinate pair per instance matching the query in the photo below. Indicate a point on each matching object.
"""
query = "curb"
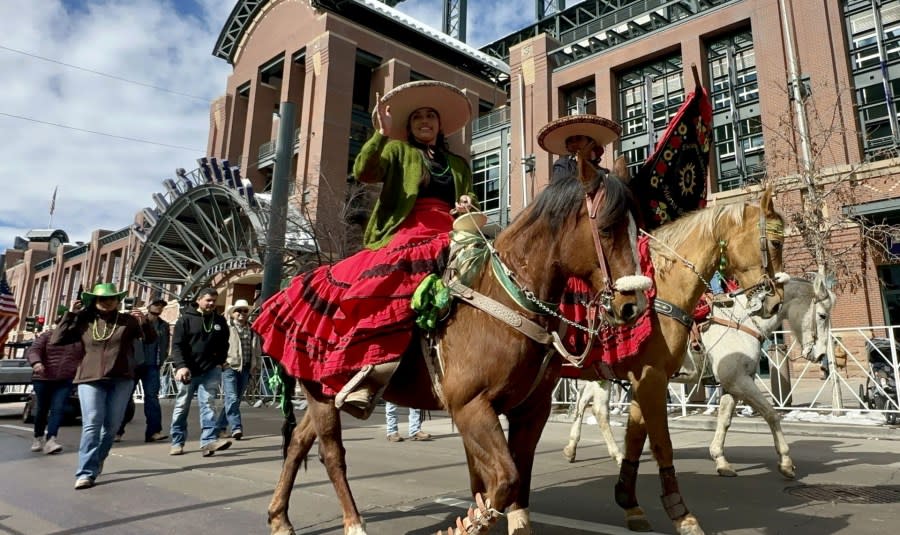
(755, 424)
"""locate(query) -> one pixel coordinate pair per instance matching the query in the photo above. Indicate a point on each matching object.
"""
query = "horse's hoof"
(569, 453)
(789, 471)
(637, 523)
(689, 526)
(726, 472)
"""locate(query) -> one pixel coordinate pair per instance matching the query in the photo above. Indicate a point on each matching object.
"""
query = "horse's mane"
(556, 206)
(678, 232)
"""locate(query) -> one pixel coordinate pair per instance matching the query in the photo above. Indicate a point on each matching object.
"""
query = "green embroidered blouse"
(399, 166)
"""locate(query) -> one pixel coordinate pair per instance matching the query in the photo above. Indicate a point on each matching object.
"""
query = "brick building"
(629, 60)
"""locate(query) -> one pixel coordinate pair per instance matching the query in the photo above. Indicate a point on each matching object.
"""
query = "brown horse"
(747, 239)
(487, 368)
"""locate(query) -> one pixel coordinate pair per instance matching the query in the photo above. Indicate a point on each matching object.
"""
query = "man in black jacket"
(199, 349)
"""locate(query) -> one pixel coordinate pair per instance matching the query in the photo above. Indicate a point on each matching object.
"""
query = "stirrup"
(352, 385)
(360, 404)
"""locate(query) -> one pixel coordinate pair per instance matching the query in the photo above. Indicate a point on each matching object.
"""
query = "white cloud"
(102, 181)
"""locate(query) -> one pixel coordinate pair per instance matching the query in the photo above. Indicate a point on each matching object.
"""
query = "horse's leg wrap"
(671, 497)
(626, 485)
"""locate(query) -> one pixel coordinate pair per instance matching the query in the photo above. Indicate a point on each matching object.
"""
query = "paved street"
(848, 482)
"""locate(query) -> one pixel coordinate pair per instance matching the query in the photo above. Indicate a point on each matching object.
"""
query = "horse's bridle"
(766, 285)
(604, 296)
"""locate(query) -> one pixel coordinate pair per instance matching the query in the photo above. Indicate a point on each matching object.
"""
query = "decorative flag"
(672, 182)
(53, 201)
(9, 312)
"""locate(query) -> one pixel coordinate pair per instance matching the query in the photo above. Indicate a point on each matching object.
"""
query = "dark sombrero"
(552, 137)
(450, 103)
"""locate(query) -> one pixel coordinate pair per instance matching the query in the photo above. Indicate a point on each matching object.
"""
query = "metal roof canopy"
(386, 21)
(208, 230)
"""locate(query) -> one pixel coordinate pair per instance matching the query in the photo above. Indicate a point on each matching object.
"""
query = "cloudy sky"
(158, 78)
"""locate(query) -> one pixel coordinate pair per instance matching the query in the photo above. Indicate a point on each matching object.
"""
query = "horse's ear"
(620, 169)
(820, 287)
(767, 202)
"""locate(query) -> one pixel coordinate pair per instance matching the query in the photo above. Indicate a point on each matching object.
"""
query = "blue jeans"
(149, 378)
(102, 408)
(50, 397)
(206, 385)
(390, 413)
(235, 383)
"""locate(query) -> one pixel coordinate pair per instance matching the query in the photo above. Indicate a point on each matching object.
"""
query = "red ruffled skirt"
(335, 319)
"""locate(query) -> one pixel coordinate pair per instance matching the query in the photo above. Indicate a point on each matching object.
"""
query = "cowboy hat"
(240, 303)
(450, 103)
(552, 137)
(470, 222)
(102, 289)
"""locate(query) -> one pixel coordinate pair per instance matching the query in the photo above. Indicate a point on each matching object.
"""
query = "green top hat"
(103, 289)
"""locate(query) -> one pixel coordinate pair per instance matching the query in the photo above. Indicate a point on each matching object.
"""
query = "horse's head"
(807, 306)
(752, 254)
(602, 244)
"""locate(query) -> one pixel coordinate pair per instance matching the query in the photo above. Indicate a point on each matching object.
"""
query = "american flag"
(9, 312)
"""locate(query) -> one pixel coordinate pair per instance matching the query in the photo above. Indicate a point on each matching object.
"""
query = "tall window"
(580, 99)
(737, 129)
(874, 41)
(649, 96)
(486, 179)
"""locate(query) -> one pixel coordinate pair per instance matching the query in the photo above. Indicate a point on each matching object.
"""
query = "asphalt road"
(848, 482)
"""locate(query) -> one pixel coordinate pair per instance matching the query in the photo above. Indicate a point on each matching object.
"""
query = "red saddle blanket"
(614, 344)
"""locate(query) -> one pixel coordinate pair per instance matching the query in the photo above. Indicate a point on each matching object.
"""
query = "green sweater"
(399, 165)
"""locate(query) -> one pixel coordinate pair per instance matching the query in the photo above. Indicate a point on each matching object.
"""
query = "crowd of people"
(352, 346)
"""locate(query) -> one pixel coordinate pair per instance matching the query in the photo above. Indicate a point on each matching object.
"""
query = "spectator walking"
(54, 368)
(199, 350)
(154, 355)
(244, 356)
(415, 424)
(105, 377)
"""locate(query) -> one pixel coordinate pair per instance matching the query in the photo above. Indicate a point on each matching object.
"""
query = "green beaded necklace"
(96, 336)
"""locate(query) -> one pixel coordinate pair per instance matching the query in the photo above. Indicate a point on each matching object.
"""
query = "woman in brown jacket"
(105, 377)
(54, 368)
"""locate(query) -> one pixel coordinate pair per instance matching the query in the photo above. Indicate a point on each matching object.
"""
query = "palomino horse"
(746, 240)
(731, 343)
(573, 228)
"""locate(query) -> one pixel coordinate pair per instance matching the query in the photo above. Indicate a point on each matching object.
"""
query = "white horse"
(732, 344)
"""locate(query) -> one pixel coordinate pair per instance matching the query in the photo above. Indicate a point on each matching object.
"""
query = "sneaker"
(156, 437)
(38, 444)
(176, 449)
(51, 446)
(218, 445)
(237, 434)
(421, 435)
(119, 437)
(84, 483)
(394, 437)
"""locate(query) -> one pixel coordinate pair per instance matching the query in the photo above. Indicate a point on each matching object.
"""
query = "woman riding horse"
(346, 325)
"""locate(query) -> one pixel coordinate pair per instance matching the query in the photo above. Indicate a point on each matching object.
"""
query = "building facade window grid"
(486, 180)
(580, 99)
(873, 29)
(649, 96)
(737, 126)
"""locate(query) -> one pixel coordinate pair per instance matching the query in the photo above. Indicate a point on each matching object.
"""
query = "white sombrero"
(552, 137)
(450, 103)
(240, 303)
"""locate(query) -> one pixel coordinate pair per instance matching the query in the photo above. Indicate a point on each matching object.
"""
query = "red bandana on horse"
(614, 343)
